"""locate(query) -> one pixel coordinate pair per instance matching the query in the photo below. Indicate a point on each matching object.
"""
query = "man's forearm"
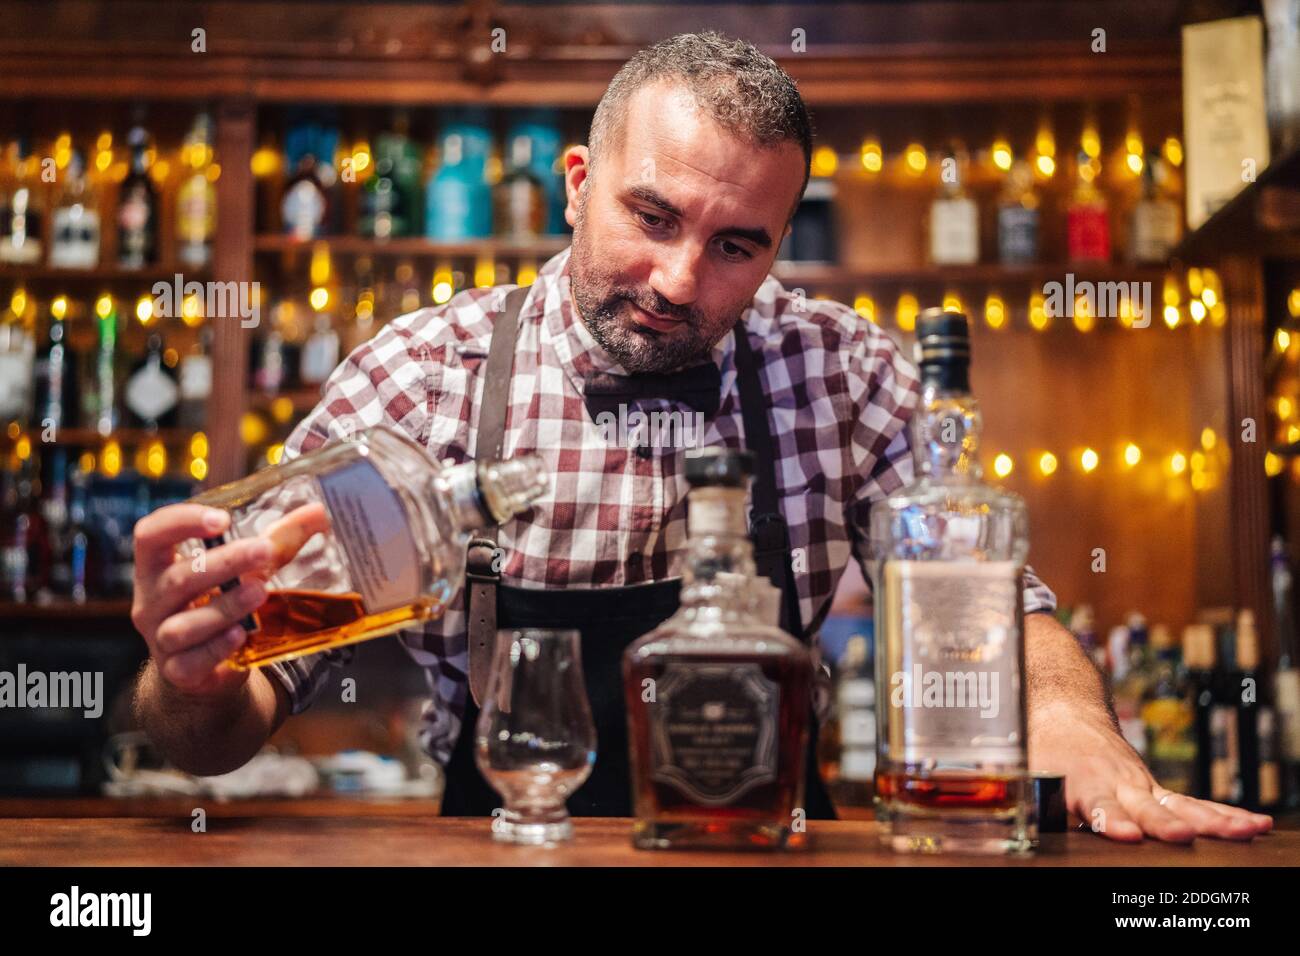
(1059, 677)
(202, 736)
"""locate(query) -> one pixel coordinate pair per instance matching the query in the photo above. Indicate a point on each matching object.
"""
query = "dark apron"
(609, 619)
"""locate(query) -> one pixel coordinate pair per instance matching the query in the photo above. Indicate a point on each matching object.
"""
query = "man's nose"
(676, 271)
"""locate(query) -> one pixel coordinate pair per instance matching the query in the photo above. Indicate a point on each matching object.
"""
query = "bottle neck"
(719, 554)
(947, 425)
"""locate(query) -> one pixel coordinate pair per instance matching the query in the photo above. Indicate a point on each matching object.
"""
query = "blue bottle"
(458, 199)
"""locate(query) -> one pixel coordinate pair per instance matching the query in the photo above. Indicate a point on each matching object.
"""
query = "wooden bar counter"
(254, 839)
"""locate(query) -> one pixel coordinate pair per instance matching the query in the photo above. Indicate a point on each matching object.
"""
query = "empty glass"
(535, 741)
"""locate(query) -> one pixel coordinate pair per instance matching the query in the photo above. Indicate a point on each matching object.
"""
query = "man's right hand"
(188, 643)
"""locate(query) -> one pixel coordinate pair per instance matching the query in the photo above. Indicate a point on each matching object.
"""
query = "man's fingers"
(181, 583)
(188, 629)
(289, 533)
(192, 669)
(1158, 821)
(157, 534)
(1215, 819)
(1104, 814)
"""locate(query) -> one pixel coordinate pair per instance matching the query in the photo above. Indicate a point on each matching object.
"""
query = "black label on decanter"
(714, 730)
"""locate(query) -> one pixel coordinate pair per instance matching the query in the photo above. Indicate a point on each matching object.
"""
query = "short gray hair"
(738, 87)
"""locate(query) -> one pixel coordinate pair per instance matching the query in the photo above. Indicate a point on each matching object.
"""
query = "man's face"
(675, 231)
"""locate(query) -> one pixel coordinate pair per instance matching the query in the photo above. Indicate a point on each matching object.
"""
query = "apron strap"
(482, 575)
(767, 526)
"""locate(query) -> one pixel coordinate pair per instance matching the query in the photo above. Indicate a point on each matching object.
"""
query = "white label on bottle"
(196, 377)
(319, 356)
(952, 646)
(372, 526)
(954, 232)
(151, 392)
(15, 378)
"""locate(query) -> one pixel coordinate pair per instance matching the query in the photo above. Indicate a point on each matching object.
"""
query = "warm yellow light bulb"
(485, 273)
(104, 306)
(1003, 465)
(1177, 463)
(1173, 150)
(1208, 438)
(1273, 465)
(1132, 454)
(952, 302)
(1292, 303)
(527, 274)
(1047, 463)
(275, 453)
(865, 306)
(1038, 317)
(906, 312)
(1046, 166)
(1282, 340)
(915, 159)
(110, 459)
(824, 161)
(995, 311)
(1002, 156)
(144, 309)
(1088, 460)
(199, 445)
(873, 159)
(1134, 163)
(319, 298)
(59, 307)
(282, 409)
(1172, 316)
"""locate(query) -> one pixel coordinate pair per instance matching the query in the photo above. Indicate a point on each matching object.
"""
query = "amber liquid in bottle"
(295, 621)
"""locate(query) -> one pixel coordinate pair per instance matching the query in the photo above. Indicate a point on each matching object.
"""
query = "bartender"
(698, 155)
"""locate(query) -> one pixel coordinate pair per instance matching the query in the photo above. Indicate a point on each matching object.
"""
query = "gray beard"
(641, 352)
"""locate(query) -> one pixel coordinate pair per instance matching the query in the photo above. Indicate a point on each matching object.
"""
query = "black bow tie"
(699, 386)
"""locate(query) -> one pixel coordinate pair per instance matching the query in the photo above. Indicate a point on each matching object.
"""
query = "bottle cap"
(942, 336)
(1049, 801)
(719, 467)
(1198, 646)
(1247, 641)
(1162, 639)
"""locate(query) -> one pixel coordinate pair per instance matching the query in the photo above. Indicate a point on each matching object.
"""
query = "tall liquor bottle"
(196, 381)
(305, 204)
(954, 218)
(100, 382)
(1225, 687)
(520, 199)
(22, 211)
(1087, 218)
(17, 358)
(24, 543)
(196, 201)
(1167, 716)
(56, 375)
(1286, 680)
(1256, 722)
(152, 393)
(852, 731)
(137, 207)
(1198, 657)
(74, 223)
(948, 554)
(1157, 219)
(458, 199)
(390, 199)
(370, 538)
(718, 699)
(1018, 216)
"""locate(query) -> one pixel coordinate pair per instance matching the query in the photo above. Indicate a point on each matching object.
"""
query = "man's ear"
(577, 164)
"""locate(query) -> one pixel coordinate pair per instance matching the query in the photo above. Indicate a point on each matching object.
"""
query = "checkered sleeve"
(886, 386)
(379, 383)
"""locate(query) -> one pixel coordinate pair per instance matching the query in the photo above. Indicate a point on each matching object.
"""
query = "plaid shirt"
(840, 393)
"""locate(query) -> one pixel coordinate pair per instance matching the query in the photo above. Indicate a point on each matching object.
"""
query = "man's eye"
(650, 219)
(733, 251)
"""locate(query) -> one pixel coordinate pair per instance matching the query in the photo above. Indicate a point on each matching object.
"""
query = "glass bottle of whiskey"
(718, 700)
(947, 556)
(368, 537)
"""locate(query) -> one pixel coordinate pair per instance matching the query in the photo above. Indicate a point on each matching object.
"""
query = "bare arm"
(1073, 731)
(203, 735)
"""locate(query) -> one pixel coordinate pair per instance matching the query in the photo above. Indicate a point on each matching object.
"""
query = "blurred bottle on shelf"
(17, 359)
(1286, 680)
(196, 199)
(270, 362)
(99, 383)
(137, 206)
(1087, 216)
(22, 209)
(1198, 658)
(541, 126)
(1256, 722)
(74, 221)
(74, 564)
(1157, 218)
(24, 543)
(1283, 69)
(320, 353)
(56, 376)
(1083, 625)
(1225, 683)
(152, 393)
(305, 205)
(954, 217)
(1167, 716)
(848, 754)
(390, 198)
(1126, 647)
(519, 199)
(196, 381)
(458, 198)
(1018, 216)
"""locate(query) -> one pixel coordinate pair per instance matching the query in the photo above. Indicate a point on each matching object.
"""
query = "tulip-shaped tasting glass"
(535, 741)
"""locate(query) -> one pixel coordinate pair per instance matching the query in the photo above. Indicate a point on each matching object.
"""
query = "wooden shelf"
(67, 610)
(78, 437)
(542, 248)
(103, 273)
(980, 274)
(1262, 219)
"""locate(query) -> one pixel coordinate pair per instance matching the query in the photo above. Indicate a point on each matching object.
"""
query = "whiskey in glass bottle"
(947, 560)
(369, 537)
(718, 699)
